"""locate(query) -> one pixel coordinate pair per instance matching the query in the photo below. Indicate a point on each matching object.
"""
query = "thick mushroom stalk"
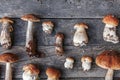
(80, 37)
(5, 37)
(48, 27)
(69, 63)
(8, 72)
(109, 33)
(86, 63)
(109, 75)
(59, 44)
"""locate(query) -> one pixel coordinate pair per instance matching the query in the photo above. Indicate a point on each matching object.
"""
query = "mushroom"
(30, 44)
(47, 27)
(30, 72)
(8, 58)
(69, 63)
(86, 62)
(109, 59)
(109, 33)
(53, 74)
(59, 44)
(5, 37)
(80, 37)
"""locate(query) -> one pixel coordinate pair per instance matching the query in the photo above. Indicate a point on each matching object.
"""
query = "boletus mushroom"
(69, 63)
(109, 59)
(53, 74)
(109, 33)
(5, 37)
(8, 58)
(30, 43)
(30, 72)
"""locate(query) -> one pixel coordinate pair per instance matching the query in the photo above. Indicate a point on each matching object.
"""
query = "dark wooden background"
(64, 14)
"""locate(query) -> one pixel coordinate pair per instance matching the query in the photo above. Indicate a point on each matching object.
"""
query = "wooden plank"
(51, 59)
(60, 9)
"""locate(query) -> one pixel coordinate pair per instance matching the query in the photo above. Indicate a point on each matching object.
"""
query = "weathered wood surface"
(60, 9)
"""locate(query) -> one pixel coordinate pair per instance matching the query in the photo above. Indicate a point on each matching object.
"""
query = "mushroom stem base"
(109, 74)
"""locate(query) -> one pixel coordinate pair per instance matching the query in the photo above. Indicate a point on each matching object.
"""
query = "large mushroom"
(109, 33)
(109, 59)
(5, 37)
(30, 72)
(30, 43)
(8, 58)
(80, 37)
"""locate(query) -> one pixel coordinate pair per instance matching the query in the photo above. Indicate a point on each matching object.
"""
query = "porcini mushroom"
(109, 33)
(8, 58)
(5, 37)
(86, 62)
(47, 27)
(53, 74)
(109, 59)
(30, 72)
(59, 44)
(69, 63)
(80, 37)
(30, 44)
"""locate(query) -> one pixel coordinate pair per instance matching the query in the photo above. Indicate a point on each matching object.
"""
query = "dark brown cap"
(53, 73)
(110, 19)
(78, 25)
(59, 34)
(8, 58)
(6, 19)
(31, 68)
(109, 59)
(86, 58)
(30, 17)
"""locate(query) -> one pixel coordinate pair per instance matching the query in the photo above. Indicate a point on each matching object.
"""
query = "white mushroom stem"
(80, 37)
(86, 66)
(8, 74)
(5, 38)
(53, 79)
(29, 76)
(109, 34)
(109, 75)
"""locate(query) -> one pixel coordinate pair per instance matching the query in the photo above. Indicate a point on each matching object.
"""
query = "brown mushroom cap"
(30, 17)
(53, 73)
(8, 58)
(79, 25)
(86, 58)
(31, 68)
(6, 19)
(48, 23)
(59, 34)
(70, 59)
(110, 19)
(109, 59)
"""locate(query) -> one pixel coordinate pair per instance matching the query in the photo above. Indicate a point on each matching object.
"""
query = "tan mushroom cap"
(48, 23)
(59, 34)
(109, 59)
(78, 25)
(86, 58)
(70, 59)
(30, 17)
(8, 58)
(53, 73)
(31, 68)
(110, 19)
(6, 19)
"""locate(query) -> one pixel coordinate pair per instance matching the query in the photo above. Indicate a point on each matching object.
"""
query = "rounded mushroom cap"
(70, 59)
(109, 59)
(79, 25)
(31, 68)
(8, 58)
(111, 20)
(6, 19)
(48, 23)
(86, 59)
(53, 73)
(30, 17)
(59, 34)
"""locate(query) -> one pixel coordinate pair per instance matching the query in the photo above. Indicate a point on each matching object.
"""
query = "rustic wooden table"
(64, 14)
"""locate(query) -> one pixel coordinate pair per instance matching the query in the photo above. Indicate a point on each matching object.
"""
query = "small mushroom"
(8, 58)
(30, 43)
(109, 33)
(80, 37)
(30, 72)
(109, 59)
(53, 74)
(86, 62)
(5, 37)
(48, 27)
(59, 44)
(69, 63)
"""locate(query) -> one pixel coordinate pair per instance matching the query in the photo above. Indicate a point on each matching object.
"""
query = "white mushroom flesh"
(109, 75)
(8, 73)
(47, 28)
(68, 64)
(53, 79)
(86, 65)
(28, 76)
